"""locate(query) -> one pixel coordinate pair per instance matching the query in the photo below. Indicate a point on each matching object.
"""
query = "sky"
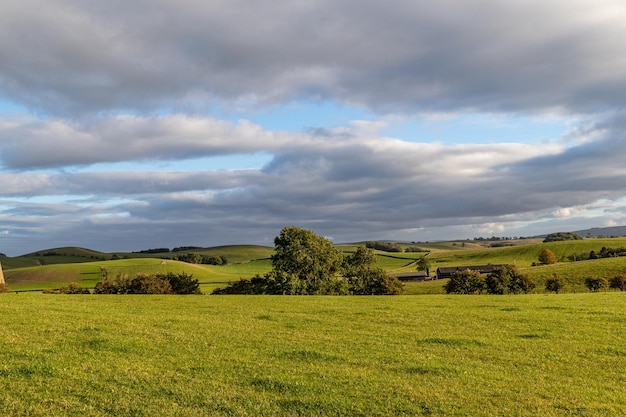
(127, 125)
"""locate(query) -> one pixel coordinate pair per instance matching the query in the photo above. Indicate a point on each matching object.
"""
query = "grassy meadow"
(528, 355)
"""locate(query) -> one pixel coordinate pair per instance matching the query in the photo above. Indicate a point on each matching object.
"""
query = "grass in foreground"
(555, 355)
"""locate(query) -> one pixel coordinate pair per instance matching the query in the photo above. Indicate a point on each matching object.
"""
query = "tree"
(423, 264)
(312, 258)
(618, 282)
(546, 257)
(555, 283)
(365, 278)
(596, 284)
(465, 282)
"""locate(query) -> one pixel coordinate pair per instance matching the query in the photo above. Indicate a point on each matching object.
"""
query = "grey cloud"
(91, 56)
(29, 143)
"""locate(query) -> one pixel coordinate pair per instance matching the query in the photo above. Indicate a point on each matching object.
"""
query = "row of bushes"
(510, 281)
(170, 283)
(596, 284)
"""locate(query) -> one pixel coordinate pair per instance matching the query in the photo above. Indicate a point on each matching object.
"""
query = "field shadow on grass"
(104, 344)
(452, 342)
(27, 371)
(427, 370)
(265, 317)
(533, 336)
(267, 384)
(611, 352)
(511, 309)
(309, 356)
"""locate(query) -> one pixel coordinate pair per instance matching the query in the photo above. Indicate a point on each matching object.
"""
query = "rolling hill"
(53, 268)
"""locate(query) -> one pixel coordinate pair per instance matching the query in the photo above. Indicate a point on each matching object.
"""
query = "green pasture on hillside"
(528, 355)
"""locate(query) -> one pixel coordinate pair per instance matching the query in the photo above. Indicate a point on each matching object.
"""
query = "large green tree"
(312, 258)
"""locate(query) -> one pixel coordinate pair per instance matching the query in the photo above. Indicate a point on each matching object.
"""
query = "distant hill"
(603, 231)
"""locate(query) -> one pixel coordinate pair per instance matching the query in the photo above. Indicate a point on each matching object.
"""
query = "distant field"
(527, 355)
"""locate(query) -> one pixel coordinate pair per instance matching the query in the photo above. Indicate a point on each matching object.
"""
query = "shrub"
(105, 287)
(149, 284)
(596, 284)
(74, 288)
(555, 283)
(546, 257)
(4, 288)
(375, 281)
(618, 282)
(465, 282)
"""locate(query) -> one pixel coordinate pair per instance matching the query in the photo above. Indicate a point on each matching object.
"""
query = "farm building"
(413, 276)
(447, 272)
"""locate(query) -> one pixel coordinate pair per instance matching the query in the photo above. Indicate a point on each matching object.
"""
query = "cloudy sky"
(126, 125)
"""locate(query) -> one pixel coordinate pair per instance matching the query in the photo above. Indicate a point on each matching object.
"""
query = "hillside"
(603, 231)
(57, 267)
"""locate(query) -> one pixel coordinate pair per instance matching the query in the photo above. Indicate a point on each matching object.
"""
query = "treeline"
(196, 258)
(167, 250)
(603, 253)
(392, 247)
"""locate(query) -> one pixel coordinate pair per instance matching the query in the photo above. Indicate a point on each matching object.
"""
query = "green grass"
(547, 355)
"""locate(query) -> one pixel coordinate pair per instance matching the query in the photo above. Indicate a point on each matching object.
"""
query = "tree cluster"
(196, 258)
(305, 263)
(561, 236)
(603, 253)
(507, 280)
(384, 246)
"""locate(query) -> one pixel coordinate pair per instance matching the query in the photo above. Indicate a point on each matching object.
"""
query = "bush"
(546, 257)
(618, 282)
(555, 283)
(4, 288)
(596, 284)
(465, 282)
(181, 283)
(375, 281)
(105, 287)
(74, 288)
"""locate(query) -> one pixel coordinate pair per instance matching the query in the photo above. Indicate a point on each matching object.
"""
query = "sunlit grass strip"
(543, 355)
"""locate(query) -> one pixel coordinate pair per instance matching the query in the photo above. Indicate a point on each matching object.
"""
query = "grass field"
(532, 355)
